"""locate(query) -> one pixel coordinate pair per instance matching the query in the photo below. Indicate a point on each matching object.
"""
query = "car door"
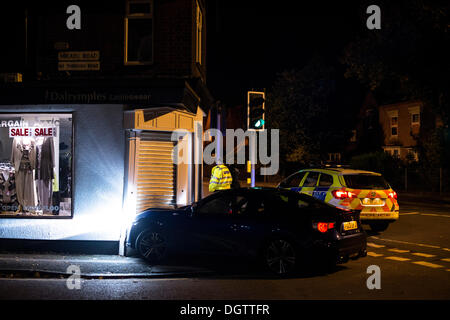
(323, 186)
(211, 228)
(310, 183)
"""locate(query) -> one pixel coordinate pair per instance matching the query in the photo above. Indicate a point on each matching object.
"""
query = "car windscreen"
(365, 181)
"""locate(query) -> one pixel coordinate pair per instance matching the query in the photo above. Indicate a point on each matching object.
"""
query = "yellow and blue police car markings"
(320, 193)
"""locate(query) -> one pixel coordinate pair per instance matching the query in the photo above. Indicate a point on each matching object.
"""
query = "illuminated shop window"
(35, 165)
(139, 32)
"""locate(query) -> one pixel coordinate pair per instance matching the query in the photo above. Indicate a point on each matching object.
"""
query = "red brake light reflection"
(325, 226)
(393, 195)
(343, 194)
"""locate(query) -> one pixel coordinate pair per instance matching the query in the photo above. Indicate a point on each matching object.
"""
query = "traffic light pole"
(252, 146)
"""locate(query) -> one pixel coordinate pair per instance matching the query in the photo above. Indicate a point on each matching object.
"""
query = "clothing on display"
(8, 195)
(45, 162)
(23, 157)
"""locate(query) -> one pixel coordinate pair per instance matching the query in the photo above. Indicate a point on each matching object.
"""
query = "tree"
(408, 57)
(301, 104)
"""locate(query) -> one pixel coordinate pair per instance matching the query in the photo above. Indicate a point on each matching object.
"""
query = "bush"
(391, 167)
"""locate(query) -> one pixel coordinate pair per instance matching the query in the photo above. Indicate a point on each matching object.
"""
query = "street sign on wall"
(78, 60)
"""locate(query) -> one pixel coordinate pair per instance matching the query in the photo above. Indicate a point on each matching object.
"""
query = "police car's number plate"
(350, 225)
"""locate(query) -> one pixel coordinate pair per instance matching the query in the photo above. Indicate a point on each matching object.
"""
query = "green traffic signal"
(255, 115)
(259, 123)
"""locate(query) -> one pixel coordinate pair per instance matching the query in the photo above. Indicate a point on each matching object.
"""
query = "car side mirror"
(194, 208)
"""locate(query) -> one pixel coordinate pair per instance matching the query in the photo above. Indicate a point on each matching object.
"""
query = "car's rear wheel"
(379, 226)
(152, 245)
(280, 256)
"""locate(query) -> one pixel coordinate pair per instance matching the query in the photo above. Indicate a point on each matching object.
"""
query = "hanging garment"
(8, 196)
(45, 162)
(24, 159)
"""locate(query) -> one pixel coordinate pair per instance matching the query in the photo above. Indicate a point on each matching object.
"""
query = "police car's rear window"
(365, 181)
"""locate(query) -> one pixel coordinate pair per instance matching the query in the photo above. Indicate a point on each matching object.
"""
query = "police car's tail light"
(323, 226)
(343, 194)
(392, 195)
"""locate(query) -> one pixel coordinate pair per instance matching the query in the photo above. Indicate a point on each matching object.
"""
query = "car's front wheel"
(152, 245)
(280, 256)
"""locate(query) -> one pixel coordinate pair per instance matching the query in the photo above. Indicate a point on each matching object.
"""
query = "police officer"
(220, 178)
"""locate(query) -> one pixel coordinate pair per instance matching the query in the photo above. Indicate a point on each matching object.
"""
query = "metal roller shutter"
(155, 172)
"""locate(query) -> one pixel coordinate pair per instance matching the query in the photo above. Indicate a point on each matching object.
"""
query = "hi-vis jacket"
(220, 178)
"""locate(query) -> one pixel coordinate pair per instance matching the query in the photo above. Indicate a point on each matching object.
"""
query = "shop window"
(139, 32)
(35, 165)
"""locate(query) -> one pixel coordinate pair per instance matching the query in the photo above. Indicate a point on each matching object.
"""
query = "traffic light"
(255, 110)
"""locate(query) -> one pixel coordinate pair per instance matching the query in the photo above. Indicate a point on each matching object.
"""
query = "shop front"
(82, 171)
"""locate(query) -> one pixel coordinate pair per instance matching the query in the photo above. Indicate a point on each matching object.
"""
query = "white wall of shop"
(97, 182)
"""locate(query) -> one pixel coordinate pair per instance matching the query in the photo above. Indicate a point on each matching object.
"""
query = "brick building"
(403, 124)
(112, 81)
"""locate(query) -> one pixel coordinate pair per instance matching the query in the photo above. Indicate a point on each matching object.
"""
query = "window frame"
(305, 178)
(292, 177)
(320, 179)
(137, 16)
(72, 167)
(415, 123)
(215, 197)
(392, 126)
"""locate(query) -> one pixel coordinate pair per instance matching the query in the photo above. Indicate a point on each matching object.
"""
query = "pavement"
(53, 265)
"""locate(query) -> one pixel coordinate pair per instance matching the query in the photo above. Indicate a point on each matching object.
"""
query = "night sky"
(249, 42)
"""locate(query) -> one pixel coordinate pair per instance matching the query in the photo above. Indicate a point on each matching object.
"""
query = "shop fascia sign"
(32, 132)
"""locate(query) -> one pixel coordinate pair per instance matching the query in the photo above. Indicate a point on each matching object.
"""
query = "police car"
(349, 189)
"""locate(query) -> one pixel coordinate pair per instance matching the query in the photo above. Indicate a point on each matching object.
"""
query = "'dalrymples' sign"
(96, 96)
(17, 94)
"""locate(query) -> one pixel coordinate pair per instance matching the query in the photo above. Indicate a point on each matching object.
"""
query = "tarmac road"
(413, 255)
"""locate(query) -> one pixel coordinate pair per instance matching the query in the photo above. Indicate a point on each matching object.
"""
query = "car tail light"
(343, 194)
(323, 226)
(392, 195)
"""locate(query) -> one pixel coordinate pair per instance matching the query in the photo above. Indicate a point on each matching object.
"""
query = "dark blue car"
(281, 229)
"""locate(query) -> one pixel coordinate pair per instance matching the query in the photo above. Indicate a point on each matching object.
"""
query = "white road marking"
(406, 242)
(428, 264)
(426, 255)
(398, 258)
(373, 245)
(435, 215)
(398, 250)
(373, 254)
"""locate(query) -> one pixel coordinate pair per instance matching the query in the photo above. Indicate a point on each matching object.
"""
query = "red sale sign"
(32, 132)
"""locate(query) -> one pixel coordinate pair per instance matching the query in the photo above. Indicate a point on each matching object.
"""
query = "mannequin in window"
(23, 157)
(45, 162)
